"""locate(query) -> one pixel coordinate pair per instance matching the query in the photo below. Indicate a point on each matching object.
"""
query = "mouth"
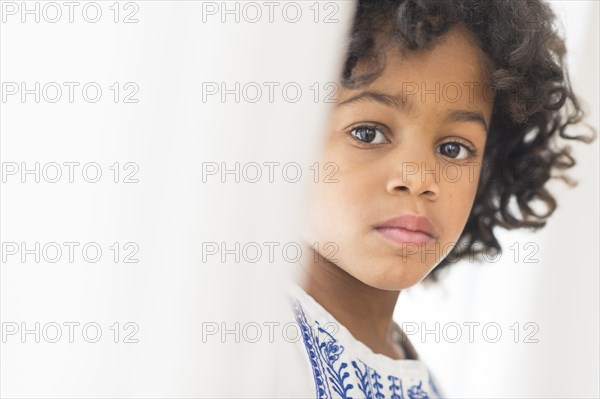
(401, 235)
(408, 228)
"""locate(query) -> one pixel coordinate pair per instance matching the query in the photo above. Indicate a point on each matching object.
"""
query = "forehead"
(455, 70)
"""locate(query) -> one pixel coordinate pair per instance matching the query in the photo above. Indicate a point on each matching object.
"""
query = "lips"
(408, 229)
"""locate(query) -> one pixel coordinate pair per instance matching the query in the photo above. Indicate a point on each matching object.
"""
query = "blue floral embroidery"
(416, 392)
(394, 387)
(324, 352)
(330, 353)
(377, 385)
(318, 374)
(363, 377)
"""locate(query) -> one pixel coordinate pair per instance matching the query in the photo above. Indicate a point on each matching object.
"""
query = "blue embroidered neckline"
(331, 375)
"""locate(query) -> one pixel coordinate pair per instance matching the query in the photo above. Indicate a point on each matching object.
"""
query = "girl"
(447, 111)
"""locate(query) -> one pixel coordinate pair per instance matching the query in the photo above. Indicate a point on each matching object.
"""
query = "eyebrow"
(461, 115)
(396, 101)
(400, 103)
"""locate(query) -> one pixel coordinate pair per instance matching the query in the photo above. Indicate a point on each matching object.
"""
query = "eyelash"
(471, 150)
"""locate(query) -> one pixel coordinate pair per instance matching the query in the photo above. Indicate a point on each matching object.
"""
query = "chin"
(392, 285)
(395, 277)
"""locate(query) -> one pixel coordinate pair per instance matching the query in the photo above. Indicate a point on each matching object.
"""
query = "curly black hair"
(533, 106)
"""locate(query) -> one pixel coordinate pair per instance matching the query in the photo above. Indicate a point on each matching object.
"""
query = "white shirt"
(336, 365)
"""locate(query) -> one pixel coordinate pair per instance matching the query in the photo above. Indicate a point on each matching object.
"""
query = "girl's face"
(411, 142)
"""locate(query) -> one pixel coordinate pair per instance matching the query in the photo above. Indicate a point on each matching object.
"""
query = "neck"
(364, 310)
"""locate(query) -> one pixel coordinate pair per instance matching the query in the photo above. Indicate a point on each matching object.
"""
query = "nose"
(417, 177)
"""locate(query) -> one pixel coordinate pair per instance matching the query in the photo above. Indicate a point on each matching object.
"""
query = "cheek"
(456, 203)
(332, 219)
(341, 202)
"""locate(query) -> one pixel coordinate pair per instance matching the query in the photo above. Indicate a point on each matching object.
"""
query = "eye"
(457, 150)
(369, 134)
